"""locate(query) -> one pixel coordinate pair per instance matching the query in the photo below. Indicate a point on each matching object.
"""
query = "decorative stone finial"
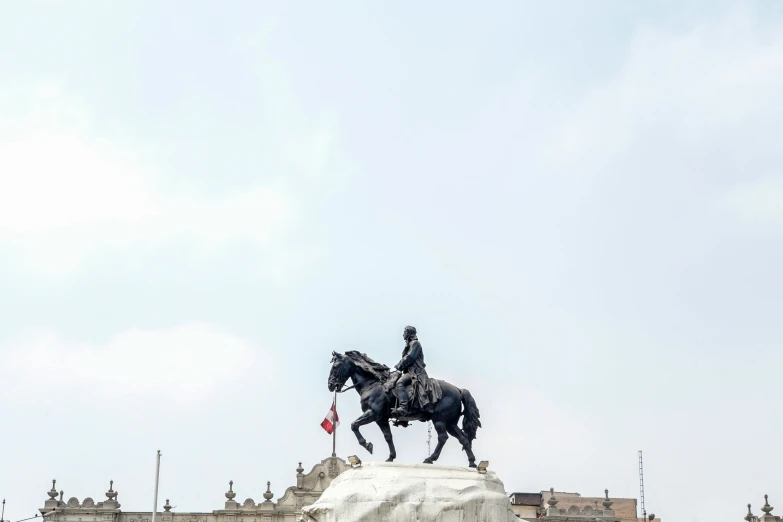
(167, 506)
(230, 493)
(766, 508)
(111, 494)
(61, 496)
(53, 492)
(552, 500)
(300, 469)
(749, 517)
(268, 495)
(607, 503)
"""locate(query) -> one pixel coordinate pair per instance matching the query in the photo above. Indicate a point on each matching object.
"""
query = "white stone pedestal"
(388, 492)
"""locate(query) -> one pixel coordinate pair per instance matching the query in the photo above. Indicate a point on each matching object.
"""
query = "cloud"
(759, 202)
(65, 194)
(57, 181)
(680, 93)
(185, 363)
(683, 138)
(522, 425)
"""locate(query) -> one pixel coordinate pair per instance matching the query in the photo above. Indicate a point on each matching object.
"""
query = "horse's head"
(342, 368)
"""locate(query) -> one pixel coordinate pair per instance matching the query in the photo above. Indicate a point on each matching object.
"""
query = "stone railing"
(307, 490)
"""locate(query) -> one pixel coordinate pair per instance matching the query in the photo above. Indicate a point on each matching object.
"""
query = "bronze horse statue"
(377, 399)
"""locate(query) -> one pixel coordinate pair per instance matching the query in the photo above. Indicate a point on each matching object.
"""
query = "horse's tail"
(470, 419)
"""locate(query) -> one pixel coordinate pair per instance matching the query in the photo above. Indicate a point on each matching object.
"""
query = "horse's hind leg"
(465, 441)
(387, 434)
(440, 427)
(365, 418)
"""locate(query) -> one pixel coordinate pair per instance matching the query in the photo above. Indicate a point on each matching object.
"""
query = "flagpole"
(334, 431)
(157, 477)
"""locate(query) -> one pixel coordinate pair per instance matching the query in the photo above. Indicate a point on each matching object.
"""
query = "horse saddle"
(414, 412)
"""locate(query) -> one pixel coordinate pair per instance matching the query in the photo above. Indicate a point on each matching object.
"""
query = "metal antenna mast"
(641, 487)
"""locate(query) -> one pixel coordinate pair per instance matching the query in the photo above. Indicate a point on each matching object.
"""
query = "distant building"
(550, 506)
(766, 517)
(527, 505)
(287, 508)
(559, 505)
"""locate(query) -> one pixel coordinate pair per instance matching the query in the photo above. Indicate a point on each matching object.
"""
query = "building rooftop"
(526, 499)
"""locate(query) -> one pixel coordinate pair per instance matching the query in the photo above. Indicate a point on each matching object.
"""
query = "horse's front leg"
(365, 418)
(387, 434)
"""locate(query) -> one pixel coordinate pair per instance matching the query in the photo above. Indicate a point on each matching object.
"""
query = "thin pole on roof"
(157, 477)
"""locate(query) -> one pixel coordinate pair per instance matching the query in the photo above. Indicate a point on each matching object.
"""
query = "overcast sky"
(578, 204)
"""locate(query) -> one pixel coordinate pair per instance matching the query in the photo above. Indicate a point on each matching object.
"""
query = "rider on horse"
(443, 403)
(426, 392)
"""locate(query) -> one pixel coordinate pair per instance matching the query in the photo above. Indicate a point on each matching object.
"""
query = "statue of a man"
(411, 368)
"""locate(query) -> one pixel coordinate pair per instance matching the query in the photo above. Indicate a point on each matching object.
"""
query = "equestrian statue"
(406, 395)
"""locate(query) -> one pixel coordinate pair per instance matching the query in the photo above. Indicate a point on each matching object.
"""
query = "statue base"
(388, 492)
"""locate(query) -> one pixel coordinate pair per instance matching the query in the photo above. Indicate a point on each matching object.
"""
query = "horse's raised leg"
(465, 441)
(365, 418)
(387, 434)
(440, 427)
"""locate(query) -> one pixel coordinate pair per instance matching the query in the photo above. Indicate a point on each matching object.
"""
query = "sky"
(578, 205)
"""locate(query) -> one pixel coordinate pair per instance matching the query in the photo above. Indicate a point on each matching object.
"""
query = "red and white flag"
(331, 421)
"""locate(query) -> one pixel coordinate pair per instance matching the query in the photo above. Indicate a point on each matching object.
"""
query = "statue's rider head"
(409, 333)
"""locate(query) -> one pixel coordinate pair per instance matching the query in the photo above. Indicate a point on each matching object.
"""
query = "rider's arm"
(414, 354)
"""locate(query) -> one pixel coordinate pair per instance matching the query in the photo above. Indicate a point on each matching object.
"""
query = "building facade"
(766, 517)
(562, 506)
(287, 508)
(527, 505)
(549, 506)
